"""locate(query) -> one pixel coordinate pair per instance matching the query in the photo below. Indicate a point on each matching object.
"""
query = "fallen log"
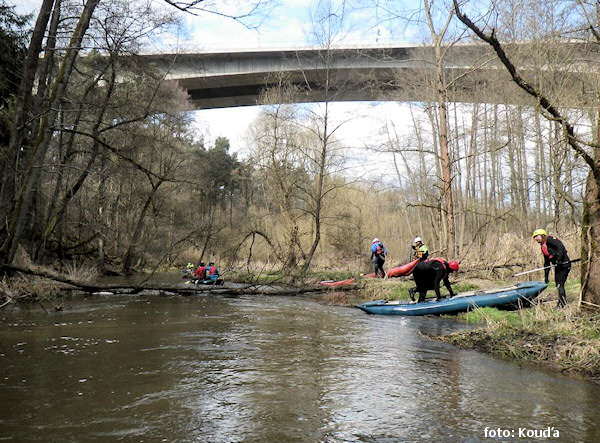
(240, 289)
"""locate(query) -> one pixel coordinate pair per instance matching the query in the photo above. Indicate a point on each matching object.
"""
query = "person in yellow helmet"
(555, 255)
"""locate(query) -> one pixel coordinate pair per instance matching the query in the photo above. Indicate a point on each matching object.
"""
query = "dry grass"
(30, 290)
(80, 272)
(567, 339)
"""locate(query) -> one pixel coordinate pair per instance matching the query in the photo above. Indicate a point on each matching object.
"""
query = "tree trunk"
(8, 185)
(22, 207)
(137, 234)
(442, 107)
(590, 245)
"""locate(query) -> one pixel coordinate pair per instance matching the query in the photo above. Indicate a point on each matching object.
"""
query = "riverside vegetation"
(566, 339)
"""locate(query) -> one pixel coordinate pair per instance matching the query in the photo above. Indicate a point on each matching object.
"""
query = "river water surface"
(266, 369)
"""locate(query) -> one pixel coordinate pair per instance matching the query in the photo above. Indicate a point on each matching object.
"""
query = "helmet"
(453, 264)
(375, 240)
(539, 232)
(417, 240)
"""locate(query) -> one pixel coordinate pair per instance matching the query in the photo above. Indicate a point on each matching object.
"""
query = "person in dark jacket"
(555, 255)
(429, 274)
(378, 253)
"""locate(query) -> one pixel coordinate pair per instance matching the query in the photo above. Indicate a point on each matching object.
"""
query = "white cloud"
(232, 123)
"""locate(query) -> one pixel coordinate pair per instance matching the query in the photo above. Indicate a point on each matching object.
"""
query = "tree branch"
(543, 101)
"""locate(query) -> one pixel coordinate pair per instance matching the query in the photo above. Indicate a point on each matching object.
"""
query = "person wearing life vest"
(429, 274)
(200, 272)
(188, 268)
(555, 255)
(212, 272)
(420, 249)
(378, 253)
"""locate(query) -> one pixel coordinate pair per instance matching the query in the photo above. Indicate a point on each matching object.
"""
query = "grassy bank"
(566, 339)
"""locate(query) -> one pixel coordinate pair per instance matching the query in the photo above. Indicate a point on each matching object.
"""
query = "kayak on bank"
(398, 271)
(465, 301)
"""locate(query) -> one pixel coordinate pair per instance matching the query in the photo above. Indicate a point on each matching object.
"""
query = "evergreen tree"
(13, 47)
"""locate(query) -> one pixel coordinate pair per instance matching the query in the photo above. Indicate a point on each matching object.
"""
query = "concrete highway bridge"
(402, 73)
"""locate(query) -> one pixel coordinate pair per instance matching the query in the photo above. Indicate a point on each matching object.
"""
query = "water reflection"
(264, 369)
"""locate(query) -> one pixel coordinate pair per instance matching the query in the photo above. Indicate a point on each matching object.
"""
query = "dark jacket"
(430, 273)
(555, 253)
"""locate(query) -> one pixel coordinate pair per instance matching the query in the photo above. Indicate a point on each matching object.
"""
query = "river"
(267, 369)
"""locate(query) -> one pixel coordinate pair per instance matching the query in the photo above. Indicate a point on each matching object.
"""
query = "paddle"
(544, 267)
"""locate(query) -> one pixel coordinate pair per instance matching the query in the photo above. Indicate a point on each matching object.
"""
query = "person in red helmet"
(429, 274)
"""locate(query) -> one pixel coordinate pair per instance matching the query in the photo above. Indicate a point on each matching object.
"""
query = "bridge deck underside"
(395, 74)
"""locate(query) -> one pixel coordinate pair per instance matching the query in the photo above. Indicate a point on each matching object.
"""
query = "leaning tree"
(587, 149)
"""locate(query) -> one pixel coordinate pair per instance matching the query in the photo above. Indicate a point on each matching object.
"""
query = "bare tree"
(42, 139)
(441, 88)
(591, 216)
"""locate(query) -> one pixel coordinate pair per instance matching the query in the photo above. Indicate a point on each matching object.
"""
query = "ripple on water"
(265, 369)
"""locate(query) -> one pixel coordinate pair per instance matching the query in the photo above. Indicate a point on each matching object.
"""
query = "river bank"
(566, 340)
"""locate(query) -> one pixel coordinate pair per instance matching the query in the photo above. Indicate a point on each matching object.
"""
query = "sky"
(287, 26)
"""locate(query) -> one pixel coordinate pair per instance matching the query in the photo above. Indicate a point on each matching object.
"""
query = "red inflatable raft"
(398, 271)
(349, 281)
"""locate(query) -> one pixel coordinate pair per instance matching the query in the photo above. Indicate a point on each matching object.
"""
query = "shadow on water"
(265, 369)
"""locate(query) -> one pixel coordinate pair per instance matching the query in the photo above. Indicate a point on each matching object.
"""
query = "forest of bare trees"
(101, 164)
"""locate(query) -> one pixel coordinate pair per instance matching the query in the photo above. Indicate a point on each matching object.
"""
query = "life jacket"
(421, 252)
(200, 271)
(544, 248)
(212, 270)
(380, 250)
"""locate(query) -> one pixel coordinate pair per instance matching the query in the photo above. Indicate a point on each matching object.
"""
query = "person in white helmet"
(378, 253)
(420, 249)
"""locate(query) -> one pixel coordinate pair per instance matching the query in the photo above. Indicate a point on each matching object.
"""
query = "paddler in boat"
(200, 272)
(429, 274)
(212, 272)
